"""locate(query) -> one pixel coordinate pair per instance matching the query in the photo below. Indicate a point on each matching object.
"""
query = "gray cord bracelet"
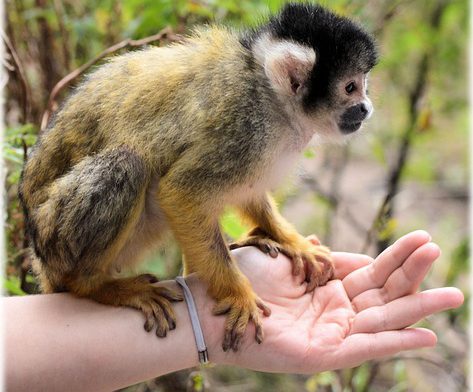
(199, 336)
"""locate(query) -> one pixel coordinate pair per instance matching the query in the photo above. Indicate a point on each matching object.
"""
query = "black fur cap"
(342, 47)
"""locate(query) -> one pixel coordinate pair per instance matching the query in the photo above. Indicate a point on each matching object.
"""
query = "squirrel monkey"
(162, 139)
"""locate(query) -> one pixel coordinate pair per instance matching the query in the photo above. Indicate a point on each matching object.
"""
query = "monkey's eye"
(350, 87)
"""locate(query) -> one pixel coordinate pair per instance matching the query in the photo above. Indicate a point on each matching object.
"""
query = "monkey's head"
(318, 64)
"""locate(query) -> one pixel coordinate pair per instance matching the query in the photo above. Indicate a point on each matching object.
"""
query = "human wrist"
(212, 326)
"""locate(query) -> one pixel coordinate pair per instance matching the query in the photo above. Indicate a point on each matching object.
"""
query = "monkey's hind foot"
(308, 257)
(139, 293)
(240, 310)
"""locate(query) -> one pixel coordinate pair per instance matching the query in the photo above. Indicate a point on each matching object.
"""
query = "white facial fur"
(286, 64)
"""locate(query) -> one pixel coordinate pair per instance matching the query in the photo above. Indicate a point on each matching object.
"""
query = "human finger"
(362, 347)
(385, 264)
(406, 311)
(345, 263)
(403, 281)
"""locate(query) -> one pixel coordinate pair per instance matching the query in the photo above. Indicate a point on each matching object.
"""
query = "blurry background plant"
(408, 170)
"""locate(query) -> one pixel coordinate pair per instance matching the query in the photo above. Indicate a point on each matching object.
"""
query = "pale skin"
(58, 342)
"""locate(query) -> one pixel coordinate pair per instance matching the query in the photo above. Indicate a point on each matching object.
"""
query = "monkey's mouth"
(349, 127)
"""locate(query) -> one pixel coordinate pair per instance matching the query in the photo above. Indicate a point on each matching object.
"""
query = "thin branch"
(338, 170)
(374, 370)
(60, 16)
(45, 41)
(8, 66)
(26, 96)
(334, 202)
(166, 33)
(388, 14)
(385, 211)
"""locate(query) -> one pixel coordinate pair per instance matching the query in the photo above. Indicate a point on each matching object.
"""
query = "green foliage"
(323, 379)
(156, 265)
(361, 377)
(16, 139)
(459, 268)
(377, 149)
(12, 286)
(197, 381)
(309, 153)
(400, 375)
(421, 169)
(232, 225)
(459, 263)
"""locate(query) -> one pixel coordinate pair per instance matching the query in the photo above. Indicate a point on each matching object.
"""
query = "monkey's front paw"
(314, 260)
(155, 303)
(240, 310)
(307, 256)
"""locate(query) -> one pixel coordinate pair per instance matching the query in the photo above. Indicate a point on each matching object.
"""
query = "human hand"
(362, 314)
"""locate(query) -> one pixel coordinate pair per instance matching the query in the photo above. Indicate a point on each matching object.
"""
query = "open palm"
(361, 314)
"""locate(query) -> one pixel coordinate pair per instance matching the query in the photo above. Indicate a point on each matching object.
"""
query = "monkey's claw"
(155, 303)
(265, 244)
(240, 311)
(318, 266)
(314, 261)
(158, 311)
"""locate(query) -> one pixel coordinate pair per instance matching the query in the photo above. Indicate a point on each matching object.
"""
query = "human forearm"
(58, 342)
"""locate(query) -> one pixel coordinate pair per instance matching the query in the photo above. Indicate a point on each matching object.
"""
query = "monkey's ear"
(288, 65)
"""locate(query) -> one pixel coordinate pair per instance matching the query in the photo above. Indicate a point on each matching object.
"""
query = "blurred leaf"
(14, 155)
(400, 387)
(424, 120)
(388, 229)
(420, 168)
(309, 153)
(400, 374)
(102, 17)
(12, 286)
(321, 379)
(155, 265)
(377, 148)
(13, 177)
(311, 384)
(13, 152)
(26, 129)
(197, 380)
(459, 267)
(460, 262)
(30, 279)
(35, 13)
(231, 224)
(361, 377)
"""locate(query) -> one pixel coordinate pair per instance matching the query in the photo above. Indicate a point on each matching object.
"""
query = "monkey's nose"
(360, 112)
(356, 113)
